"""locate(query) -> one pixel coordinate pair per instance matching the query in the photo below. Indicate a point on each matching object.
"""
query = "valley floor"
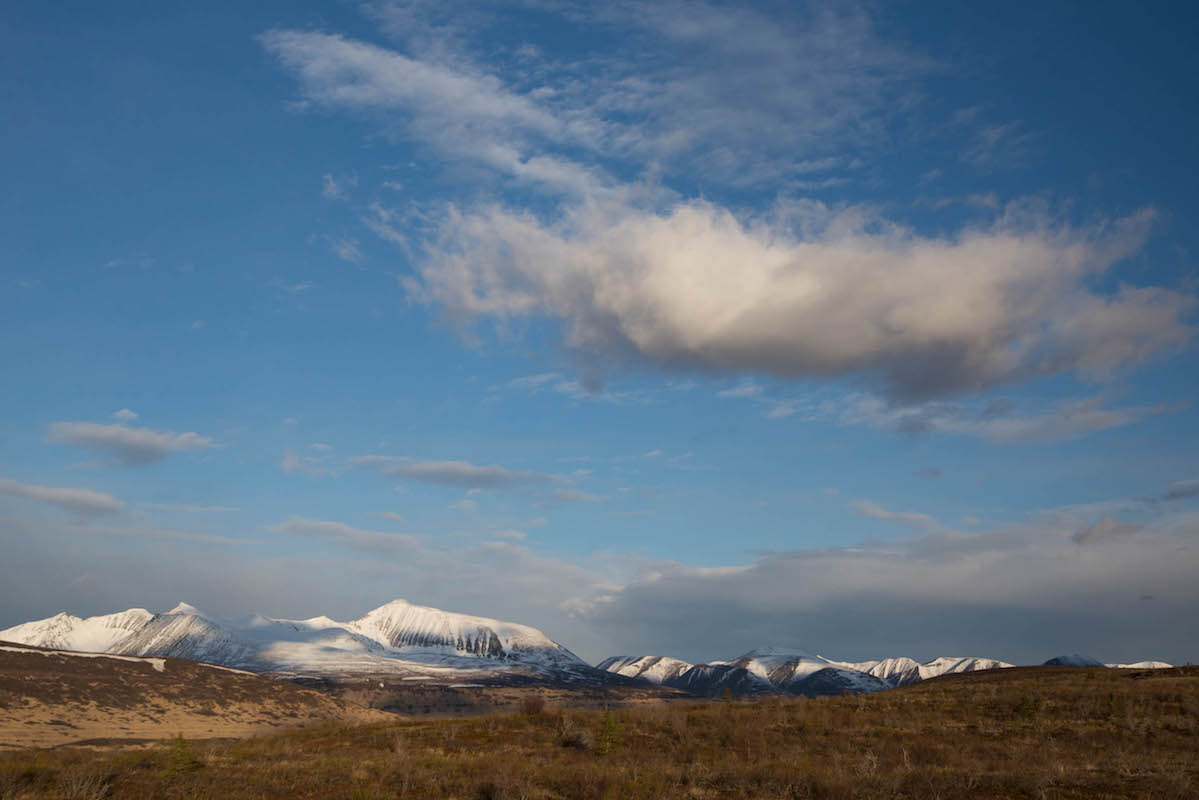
(1019, 733)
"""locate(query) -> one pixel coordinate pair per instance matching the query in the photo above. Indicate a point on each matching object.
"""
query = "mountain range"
(413, 642)
(398, 638)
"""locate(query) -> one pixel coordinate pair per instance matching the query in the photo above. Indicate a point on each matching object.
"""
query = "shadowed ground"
(1020, 733)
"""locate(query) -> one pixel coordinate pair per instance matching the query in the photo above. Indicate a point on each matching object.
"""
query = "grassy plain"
(1020, 733)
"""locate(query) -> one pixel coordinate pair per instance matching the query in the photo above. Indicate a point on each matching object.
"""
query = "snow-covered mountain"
(1073, 660)
(1142, 665)
(901, 671)
(761, 671)
(799, 672)
(768, 670)
(65, 632)
(655, 669)
(397, 638)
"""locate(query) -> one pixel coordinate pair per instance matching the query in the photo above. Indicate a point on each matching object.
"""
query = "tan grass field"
(1020, 733)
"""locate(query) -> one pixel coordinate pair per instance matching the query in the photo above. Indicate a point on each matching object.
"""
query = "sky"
(668, 328)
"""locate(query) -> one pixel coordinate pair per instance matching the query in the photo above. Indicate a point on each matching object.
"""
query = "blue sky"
(672, 329)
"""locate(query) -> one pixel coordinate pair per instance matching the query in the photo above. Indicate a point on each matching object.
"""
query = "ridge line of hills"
(412, 642)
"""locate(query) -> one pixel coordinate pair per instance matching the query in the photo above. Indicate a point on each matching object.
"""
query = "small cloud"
(653, 454)
(187, 508)
(782, 411)
(1183, 490)
(453, 473)
(124, 415)
(131, 447)
(393, 516)
(347, 536)
(577, 496)
(533, 383)
(199, 324)
(465, 505)
(512, 535)
(321, 446)
(744, 390)
(911, 519)
(292, 420)
(338, 188)
(293, 463)
(1106, 528)
(79, 501)
(346, 250)
(929, 473)
(296, 288)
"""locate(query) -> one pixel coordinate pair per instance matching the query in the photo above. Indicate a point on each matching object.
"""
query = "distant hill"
(53, 697)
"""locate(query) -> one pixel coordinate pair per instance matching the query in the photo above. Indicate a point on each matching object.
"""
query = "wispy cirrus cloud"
(454, 473)
(998, 420)
(79, 501)
(127, 446)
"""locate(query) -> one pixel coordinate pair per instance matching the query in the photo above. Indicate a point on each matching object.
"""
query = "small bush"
(572, 736)
(181, 760)
(608, 737)
(81, 784)
(532, 706)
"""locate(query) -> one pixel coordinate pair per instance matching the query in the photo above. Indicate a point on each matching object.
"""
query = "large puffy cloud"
(635, 273)
(78, 501)
(132, 447)
(454, 473)
(697, 287)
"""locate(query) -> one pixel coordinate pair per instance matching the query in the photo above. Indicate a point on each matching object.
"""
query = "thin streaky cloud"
(454, 473)
(79, 501)
(131, 447)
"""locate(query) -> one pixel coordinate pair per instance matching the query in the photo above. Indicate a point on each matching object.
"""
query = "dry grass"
(1033, 733)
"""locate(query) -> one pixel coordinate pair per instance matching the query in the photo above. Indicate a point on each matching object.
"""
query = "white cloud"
(346, 250)
(997, 420)
(393, 516)
(124, 415)
(909, 518)
(189, 508)
(743, 390)
(511, 535)
(453, 473)
(129, 446)
(634, 274)
(697, 287)
(79, 501)
(346, 536)
(336, 188)
(293, 463)
(577, 496)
